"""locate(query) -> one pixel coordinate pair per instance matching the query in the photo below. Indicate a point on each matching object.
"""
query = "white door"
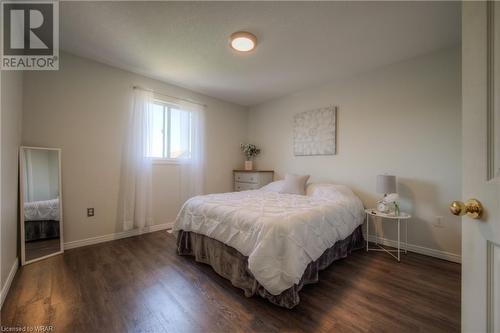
(481, 165)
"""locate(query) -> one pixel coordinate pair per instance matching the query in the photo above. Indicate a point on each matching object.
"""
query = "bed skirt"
(37, 230)
(232, 265)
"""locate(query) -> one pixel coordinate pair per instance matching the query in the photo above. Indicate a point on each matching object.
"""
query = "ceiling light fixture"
(243, 41)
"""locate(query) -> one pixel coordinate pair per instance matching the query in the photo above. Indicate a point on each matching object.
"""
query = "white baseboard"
(117, 235)
(418, 249)
(10, 278)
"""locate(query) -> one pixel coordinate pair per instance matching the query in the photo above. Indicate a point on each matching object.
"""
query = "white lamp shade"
(386, 184)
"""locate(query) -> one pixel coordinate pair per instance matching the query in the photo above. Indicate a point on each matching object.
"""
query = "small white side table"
(390, 217)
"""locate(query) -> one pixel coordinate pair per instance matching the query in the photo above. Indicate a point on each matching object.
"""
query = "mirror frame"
(22, 163)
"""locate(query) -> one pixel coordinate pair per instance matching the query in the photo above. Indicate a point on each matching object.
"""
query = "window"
(170, 132)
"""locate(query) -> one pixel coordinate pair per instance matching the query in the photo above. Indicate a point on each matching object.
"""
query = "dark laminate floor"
(139, 284)
(41, 248)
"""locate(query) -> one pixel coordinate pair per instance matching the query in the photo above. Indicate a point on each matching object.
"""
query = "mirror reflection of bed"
(41, 222)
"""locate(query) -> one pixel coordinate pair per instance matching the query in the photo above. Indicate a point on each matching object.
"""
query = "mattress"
(280, 234)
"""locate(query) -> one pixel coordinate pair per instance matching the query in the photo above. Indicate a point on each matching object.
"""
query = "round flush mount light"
(243, 41)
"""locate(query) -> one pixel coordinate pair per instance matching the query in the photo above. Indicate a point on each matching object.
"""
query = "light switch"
(90, 212)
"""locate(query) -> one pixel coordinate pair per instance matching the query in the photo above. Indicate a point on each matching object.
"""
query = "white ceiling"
(300, 44)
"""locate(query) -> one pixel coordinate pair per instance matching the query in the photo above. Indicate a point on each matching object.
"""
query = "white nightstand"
(388, 217)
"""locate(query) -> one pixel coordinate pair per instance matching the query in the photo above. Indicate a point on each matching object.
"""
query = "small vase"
(248, 165)
(396, 209)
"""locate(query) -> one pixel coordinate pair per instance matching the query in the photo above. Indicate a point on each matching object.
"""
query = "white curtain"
(192, 166)
(191, 121)
(136, 183)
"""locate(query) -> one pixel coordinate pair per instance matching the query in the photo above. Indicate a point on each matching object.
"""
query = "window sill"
(161, 161)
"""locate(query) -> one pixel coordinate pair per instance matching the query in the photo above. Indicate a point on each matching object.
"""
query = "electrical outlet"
(90, 212)
(439, 222)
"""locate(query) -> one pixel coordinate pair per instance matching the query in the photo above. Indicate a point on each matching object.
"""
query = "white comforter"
(43, 210)
(280, 233)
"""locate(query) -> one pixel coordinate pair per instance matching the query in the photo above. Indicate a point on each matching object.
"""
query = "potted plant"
(250, 151)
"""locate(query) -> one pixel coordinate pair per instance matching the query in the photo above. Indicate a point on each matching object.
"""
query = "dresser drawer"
(251, 180)
(245, 186)
(247, 177)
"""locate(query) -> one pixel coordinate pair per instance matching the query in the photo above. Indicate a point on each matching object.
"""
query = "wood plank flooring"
(139, 284)
(41, 248)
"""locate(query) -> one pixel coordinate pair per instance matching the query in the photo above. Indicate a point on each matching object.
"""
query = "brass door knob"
(471, 207)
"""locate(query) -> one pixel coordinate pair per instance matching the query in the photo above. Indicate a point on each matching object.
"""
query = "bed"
(269, 243)
(41, 219)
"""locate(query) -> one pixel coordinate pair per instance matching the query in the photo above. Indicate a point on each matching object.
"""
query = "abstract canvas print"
(314, 132)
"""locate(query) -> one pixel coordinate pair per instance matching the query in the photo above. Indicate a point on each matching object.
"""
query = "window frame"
(167, 107)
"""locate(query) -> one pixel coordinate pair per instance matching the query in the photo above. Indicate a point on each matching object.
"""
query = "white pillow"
(294, 184)
(273, 187)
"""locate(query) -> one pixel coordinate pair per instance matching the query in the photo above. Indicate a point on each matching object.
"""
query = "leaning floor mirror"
(40, 204)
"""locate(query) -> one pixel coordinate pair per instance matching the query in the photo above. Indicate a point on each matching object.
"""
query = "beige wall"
(83, 109)
(403, 119)
(11, 108)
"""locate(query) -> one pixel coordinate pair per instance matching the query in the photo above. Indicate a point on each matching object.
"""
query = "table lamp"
(386, 184)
